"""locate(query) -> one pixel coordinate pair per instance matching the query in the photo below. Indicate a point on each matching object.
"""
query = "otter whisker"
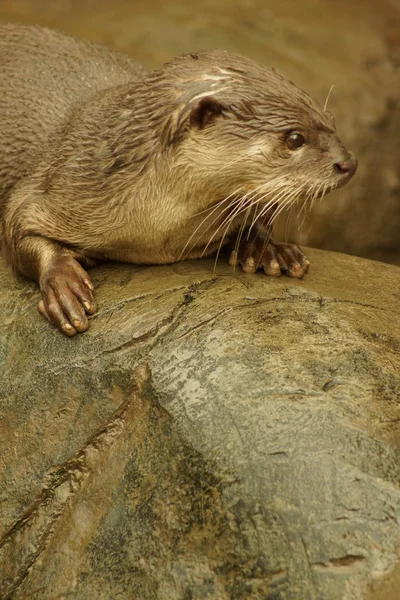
(320, 191)
(246, 203)
(310, 227)
(216, 205)
(263, 211)
(241, 230)
(314, 195)
(275, 200)
(239, 202)
(260, 217)
(223, 238)
(250, 199)
(215, 208)
(280, 200)
(305, 208)
(265, 208)
(284, 203)
(317, 191)
(287, 225)
(328, 96)
(228, 221)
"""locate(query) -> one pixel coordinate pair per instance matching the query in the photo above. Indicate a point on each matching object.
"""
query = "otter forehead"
(257, 92)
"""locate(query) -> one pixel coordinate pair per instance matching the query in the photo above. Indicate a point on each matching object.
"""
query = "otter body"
(101, 160)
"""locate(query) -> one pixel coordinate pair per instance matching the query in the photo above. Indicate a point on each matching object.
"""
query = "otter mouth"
(343, 180)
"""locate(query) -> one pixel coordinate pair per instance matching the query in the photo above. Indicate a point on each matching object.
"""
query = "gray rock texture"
(214, 435)
(354, 46)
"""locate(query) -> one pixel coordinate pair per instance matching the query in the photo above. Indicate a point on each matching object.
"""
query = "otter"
(103, 160)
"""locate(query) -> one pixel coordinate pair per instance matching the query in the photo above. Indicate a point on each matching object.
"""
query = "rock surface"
(354, 46)
(259, 461)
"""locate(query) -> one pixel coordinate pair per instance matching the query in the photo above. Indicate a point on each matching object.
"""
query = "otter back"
(43, 74)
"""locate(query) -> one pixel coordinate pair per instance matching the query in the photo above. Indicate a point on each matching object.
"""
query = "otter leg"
(67, 295)
(67, 290)
(272, 256)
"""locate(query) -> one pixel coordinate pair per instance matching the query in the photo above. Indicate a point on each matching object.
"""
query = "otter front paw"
(66, 295)
(272, 256)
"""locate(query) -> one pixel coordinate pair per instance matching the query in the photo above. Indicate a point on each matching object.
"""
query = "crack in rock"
(39, 521)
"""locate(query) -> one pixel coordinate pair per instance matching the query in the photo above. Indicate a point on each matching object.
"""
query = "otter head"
(241, 129)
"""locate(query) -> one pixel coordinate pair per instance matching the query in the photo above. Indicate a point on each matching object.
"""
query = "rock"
(213, 435)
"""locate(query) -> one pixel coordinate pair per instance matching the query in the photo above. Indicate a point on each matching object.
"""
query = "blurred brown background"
(351, 44)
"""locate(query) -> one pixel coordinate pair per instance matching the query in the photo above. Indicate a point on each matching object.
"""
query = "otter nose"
(348, 166)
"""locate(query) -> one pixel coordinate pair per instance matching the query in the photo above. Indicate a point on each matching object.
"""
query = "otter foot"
(272, 256)
(66, 295)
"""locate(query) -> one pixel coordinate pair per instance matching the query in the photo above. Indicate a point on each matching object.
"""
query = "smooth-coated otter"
(101, 160)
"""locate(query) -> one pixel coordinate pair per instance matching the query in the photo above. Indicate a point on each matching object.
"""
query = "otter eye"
(295, 141)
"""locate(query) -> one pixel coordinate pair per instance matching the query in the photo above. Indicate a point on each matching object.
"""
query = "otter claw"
(274, 257)
(233, 258)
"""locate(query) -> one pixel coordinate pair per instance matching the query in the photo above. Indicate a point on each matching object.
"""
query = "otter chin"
(101, 160)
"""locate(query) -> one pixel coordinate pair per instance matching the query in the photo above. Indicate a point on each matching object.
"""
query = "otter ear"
(206, 111)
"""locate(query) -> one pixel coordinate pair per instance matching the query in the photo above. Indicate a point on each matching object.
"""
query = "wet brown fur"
(102, 160)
